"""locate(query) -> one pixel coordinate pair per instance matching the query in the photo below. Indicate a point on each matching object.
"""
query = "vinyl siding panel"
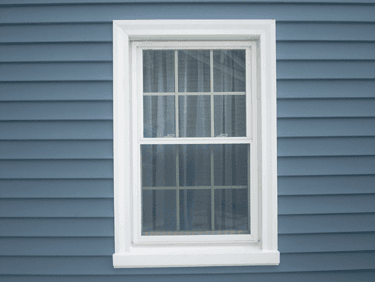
(288, 205)
(104, 246)
(106, 13)
(102, 32)
(102, 265)
(56, 150)
(344, 276)
(56, 91)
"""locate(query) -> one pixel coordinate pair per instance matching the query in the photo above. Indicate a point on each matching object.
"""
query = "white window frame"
(259, 247)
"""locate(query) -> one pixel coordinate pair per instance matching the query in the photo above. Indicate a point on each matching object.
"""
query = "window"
(195, 143)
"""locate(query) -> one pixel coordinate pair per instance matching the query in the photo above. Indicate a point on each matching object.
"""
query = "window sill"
(189, 256)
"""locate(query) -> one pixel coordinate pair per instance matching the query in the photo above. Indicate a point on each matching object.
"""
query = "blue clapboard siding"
(87, 71)
(56, 160)
(99, 226)
(102, 265)
(114, 11)
(342, 276)
(288, 205)
(56, 91)
(104, 246)
(72, 52)
(81, 32)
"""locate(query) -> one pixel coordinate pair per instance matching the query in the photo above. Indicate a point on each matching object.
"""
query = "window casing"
(134, 246)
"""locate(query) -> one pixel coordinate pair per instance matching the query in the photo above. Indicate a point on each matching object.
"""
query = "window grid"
(212, 187)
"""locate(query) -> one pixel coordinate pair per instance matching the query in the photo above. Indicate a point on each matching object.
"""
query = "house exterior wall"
(56, 160)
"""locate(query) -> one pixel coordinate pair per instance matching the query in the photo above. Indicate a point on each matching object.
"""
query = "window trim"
(129, 254)
(250, 47)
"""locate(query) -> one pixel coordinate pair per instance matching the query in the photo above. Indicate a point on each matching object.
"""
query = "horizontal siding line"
(89, 61)
(108, 139)
(110, 80)
(84, 119)
(278, 99)
(104, 42)
(285, 234)
(57, 140)
(58, 159)
(321, 195)
(314, 79)
(57, 42)
(73, 80)
(109, 178)
(110, 255)
(111, 61)
(103, 237)
(293, 157)
(112, 236)
(292, 137)
(279, 118)
(323, 41)
(108, 159)
(326, 137)
(320, 60)
(56, 120)
(111, 197)
(111, 119)
(110, 41)
(90, 179)
(57, 81)
(304, 118)
(86, 217)
(59, 62)
(304, 176)
(316, 21)
(110, 22)
(108, 217)
(271, 274)
(324, 175)
(10, 3)
(90, 100)
(311, 22)
(67, 139)
(219, 272)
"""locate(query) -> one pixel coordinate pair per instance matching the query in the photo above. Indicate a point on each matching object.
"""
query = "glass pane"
(211, 196)
(158, 210)
(231, 210)
(194, 71)
(194, 116)
(195, 210)
(229, 70)
(194, 165)
(231, 164)
(158, 165)
(158, 71)
(159, 116)
(230, 115)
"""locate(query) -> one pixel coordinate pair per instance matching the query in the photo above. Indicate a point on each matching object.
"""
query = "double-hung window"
(194, 143)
